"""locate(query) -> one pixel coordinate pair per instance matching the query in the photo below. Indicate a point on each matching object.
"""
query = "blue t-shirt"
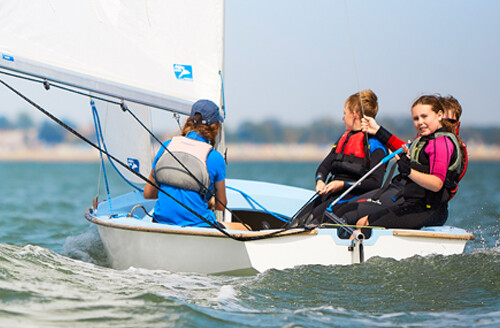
(376, 144)
(170, 212)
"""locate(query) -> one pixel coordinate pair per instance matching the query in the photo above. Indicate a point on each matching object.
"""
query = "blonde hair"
(363, 103)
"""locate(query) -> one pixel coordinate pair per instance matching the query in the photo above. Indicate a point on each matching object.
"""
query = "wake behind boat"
(146, 56)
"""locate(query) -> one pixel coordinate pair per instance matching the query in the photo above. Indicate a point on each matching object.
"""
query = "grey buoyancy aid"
(193, 156)
(420, 162)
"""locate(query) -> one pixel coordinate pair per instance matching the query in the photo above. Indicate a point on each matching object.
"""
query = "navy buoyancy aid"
(351, 159)
(193, 156)
(420, 162)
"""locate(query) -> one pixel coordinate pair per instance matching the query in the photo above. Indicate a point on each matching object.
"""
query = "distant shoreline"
(244, 152)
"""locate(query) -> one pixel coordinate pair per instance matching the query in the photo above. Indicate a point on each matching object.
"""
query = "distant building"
(18, 139)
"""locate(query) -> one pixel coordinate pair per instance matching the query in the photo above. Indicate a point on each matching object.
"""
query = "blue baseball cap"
(208, 110)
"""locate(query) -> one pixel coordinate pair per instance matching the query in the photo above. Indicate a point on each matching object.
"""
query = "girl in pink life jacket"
(391, 194)
(431, 167)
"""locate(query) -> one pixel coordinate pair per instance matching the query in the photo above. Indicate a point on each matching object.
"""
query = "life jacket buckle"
(374, 201)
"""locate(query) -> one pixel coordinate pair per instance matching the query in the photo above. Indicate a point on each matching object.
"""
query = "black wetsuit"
(313, 213)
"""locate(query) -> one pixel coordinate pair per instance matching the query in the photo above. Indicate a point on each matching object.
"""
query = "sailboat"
(134, 57)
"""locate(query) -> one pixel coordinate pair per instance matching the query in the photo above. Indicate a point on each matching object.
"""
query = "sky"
(297, 61)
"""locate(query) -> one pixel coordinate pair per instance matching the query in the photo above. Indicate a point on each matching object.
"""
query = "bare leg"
(361, 222)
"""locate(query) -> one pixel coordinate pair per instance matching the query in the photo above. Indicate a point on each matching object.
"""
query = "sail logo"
(183, 72)
(133, 163)
(7, 57)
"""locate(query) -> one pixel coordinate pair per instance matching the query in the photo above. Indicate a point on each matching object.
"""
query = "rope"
(98, 129)
(98, 133)
(205, 189)
(223, 97)
(356, 73)
(48, 84)
(83, 138)
(294, 217)
(256, 203)
(354, 57)
(124, 108)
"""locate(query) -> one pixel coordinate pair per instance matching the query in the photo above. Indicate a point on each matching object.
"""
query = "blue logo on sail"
(7, 57)
(183, 72)
(133, 163)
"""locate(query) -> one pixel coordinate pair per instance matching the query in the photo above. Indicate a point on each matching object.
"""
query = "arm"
(324, 168)
(332, 186)
(439, 151)
(217, 170)
(375, 179)
(220, 194)
(391, 141)
(428, 181)
(369, 125)
(150, 191)
(322, 172)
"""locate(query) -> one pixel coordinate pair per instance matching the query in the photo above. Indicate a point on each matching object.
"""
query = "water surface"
(54, 272)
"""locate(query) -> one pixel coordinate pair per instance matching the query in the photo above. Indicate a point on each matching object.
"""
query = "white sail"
(160, 53)
(127, 140)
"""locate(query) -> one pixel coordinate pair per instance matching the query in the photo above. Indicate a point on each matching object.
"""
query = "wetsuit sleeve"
(374, 180)
(388, 139)
(324, 168)
(439, 151)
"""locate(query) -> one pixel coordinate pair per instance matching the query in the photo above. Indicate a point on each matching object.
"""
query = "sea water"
(54, 272)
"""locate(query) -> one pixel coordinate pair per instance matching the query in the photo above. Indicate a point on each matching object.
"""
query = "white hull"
(130, 242)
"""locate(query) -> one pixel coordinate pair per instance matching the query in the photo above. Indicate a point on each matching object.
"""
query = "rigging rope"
(354, 57)
(356, 72)
(250, 199)
(100, 136)
(86, 140)
(98, 133)
(206, 191)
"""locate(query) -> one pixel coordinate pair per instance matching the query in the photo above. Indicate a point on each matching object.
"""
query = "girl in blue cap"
(191, 171)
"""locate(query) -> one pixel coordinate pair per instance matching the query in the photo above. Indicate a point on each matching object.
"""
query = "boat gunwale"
(182, 231)
(295, 232)
(432, 234)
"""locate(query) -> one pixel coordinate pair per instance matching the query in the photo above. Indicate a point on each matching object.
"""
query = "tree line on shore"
(327, 131)
(321, 131)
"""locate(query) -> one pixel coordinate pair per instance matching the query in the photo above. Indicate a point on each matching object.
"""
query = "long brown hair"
(450, 103)
(436, 105)
(435, 101)
(207, 131)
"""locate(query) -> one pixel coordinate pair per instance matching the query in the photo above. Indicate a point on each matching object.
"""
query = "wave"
(38, 286)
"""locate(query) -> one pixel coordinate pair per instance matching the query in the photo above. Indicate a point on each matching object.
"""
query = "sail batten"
(164, 54)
